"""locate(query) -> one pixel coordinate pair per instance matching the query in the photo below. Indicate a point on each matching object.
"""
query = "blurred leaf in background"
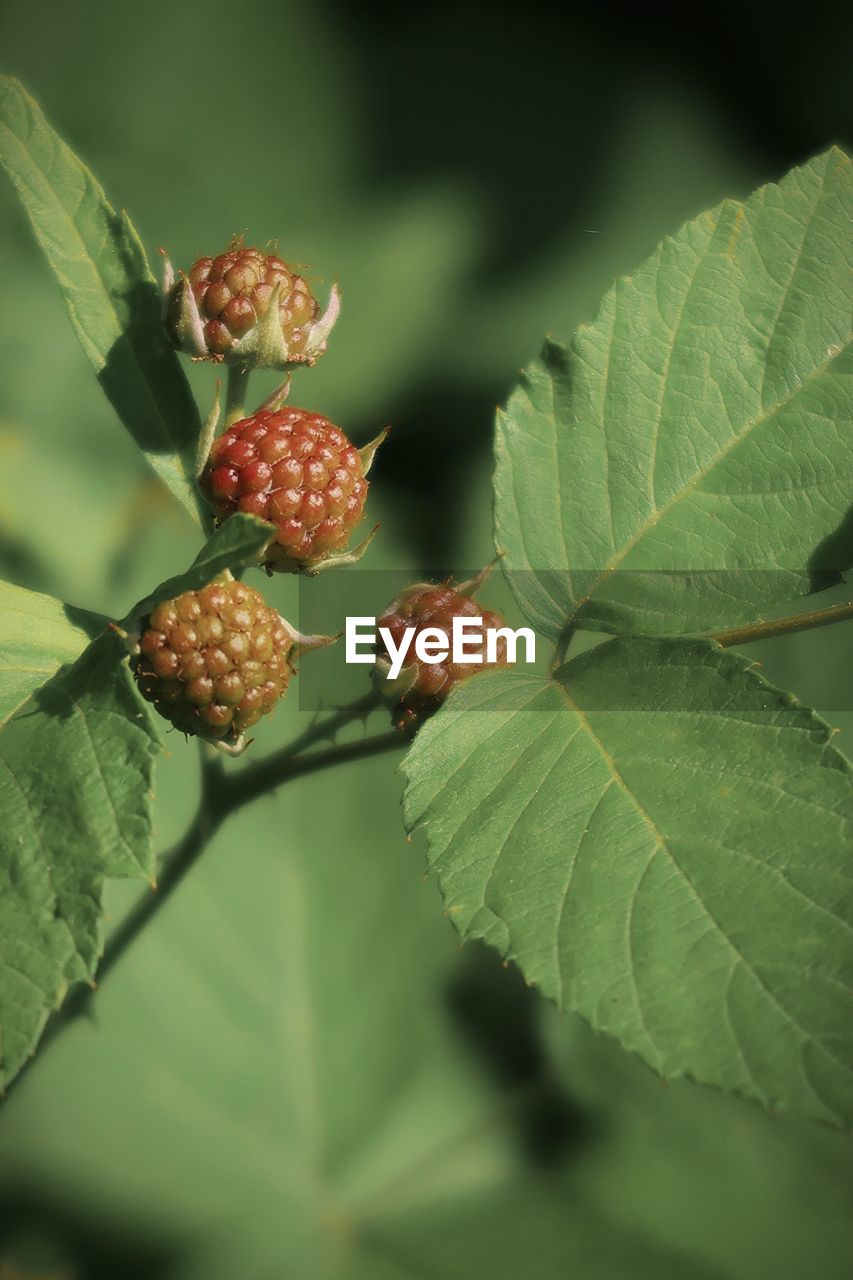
(296, 1071)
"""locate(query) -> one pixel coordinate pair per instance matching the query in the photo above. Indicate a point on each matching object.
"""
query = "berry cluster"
(296, 470)
(214, 661)
(234, 290)
(422, 686)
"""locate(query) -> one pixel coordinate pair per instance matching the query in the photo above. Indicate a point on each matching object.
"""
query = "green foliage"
(88, 815)
(296, 1018)
(655, 834)
(75, 792)
(661, 840)
(688, 462)
(38, 637)
(327, 1109)
(755, 1197)
(658, 837)
(111, 296)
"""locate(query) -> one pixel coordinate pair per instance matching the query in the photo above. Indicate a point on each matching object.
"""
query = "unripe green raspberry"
(421, 687)
(214, 661)
(298, 471)
(246, 307)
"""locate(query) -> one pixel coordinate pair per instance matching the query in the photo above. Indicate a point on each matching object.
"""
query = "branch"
(269, 774)
(276, 765)
(212, 812)
(222, 795)
(784, 626)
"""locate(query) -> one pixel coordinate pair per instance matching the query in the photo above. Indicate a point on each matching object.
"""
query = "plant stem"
(235, 393)
(784, 626)
(269, 774)
(222, 796)
(209, 817)
(318, 731)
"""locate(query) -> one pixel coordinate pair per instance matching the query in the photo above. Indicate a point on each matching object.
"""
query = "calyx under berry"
(246, 307)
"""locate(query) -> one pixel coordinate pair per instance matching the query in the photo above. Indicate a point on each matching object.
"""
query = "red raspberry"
(214, 661)
(423, 686)
(296, 470)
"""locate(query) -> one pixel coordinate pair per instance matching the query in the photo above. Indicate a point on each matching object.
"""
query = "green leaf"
(37, 635)
(662, 841)
(689, 460)
(236, 544)
(112, 298)
(682, 1161)
(75, 793)
(278, 1051)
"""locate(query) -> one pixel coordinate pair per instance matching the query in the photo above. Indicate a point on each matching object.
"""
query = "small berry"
(296, 470)
(421, 686)
(220, 310)
(214, 661)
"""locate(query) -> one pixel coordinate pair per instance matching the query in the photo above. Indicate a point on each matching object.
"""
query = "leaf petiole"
(784, 626)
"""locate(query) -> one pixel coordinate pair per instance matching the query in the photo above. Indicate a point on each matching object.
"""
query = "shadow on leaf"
(144, 382)
(833, 556)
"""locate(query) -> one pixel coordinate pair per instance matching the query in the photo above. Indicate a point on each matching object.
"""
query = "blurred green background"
(297, 1073)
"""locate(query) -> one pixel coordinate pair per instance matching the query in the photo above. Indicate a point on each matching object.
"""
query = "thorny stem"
(235, 393)
(267, 775)
(176, 864)
(223, 794)
(784, 626)
(320, 730)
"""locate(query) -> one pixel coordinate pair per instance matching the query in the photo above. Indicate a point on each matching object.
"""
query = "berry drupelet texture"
(298, 471)
(423, 686)
(246, 307)
(234, 290)
(214, 661)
